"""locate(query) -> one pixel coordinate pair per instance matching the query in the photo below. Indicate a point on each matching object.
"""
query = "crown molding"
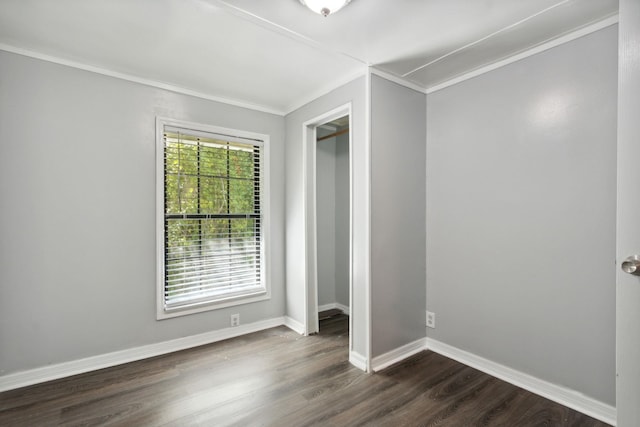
(140, 80)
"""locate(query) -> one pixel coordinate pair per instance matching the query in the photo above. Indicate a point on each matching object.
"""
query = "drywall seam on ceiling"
(308, 41)
(480, 40)
(546, 45)
(328, 88)
(141, 80)
(282, 30)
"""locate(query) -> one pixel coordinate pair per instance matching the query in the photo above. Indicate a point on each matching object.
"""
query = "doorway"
(332, 216)
(328, 187)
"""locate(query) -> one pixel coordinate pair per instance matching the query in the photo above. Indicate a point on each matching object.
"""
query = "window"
(212, 223)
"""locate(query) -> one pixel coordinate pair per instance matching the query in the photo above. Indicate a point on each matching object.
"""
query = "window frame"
(224, 301)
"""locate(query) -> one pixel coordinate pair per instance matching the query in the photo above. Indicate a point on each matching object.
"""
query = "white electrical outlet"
(431, 319)
(235, 319)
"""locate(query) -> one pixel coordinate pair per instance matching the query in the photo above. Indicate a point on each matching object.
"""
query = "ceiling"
(275, 55)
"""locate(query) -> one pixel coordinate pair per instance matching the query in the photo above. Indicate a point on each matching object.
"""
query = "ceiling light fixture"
(325, 7)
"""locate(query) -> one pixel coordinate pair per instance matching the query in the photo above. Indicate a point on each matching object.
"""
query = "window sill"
(200, 307)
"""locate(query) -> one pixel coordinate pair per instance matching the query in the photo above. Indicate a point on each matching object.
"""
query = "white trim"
(549, 44)
(487, 37)
(347, 310)
(398, 80)
(326, 89)
(328, 127)
(294, 325)
(358, 360)
(397, 355)
(343, 308)
(367, 221)
(562, 395)
(79, 366)
(259, 139)
(333, 305)
(308, 134)
(325, 307)
(141, 80)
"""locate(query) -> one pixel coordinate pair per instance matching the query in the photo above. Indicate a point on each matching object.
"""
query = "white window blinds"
(213, 247)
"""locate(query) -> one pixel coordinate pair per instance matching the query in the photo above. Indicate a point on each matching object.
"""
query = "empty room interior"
(235, 212)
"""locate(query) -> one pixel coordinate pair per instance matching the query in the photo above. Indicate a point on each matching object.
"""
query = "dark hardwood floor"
(278, 378)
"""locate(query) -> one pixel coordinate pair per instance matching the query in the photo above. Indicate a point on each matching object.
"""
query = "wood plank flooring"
(278, 378)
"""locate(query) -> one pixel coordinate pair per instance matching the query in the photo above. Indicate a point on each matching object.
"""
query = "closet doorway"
(328, 195)
(332, 222)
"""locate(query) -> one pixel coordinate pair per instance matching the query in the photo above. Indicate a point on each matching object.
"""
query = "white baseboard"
(294, 325)
(343, 307)
(325, 307)
(74, 367)
(358, 360)
(333, 305)
(557, 393)
(396, 355)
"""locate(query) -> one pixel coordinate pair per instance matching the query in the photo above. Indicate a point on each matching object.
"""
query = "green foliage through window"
(212, 215)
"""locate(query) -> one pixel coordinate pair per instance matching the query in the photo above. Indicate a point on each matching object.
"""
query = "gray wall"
(397, 215)
(521, 214)
(326, 217)
(77, 184)
(342, 220)
(332, 186)
(355, 93)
